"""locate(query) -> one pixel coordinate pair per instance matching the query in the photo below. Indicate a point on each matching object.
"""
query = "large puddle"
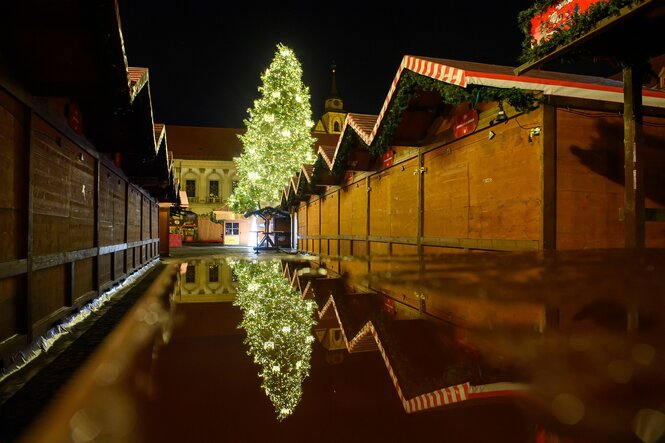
(468, 347)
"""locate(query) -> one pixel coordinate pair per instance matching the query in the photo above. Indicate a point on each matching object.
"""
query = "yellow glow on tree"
(277, 322)
(278, 139)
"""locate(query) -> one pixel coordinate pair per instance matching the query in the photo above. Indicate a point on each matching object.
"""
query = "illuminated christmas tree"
(277, 322)
(278, 139)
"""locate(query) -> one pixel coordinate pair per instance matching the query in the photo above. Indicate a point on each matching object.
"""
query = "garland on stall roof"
(411, 82)
(319, 164)
(580, 24)
(339, 167)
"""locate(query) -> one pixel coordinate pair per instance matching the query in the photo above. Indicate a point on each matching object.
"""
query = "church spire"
(333, 83)
(334, 101)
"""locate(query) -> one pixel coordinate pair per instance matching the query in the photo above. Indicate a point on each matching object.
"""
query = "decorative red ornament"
(389, 305)
(465, 123)
(557, 16)
(388, 158)
(75, 118)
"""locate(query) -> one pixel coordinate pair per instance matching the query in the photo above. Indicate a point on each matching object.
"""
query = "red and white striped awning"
(328, 153)
(463, 74)
(367, 339)
(306, 171)
(362, 124)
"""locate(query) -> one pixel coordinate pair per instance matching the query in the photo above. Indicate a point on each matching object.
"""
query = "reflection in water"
(277, 322)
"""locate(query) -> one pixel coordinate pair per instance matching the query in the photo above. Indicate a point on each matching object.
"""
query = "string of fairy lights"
(277, 322)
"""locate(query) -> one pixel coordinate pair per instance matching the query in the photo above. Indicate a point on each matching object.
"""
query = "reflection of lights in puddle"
(568, 409)
(649, 425)
(643, 353)
(620, 371)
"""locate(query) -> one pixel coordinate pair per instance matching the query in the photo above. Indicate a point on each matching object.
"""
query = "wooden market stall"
(74, 221)
(478, 174)
(628, 33)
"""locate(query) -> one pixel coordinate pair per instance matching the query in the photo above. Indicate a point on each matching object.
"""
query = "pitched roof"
(202, 143)
(307, 171)
(464, 73)
(324, 139)
(327, 152)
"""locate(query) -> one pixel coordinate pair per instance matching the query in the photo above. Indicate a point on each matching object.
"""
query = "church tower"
(332, 120)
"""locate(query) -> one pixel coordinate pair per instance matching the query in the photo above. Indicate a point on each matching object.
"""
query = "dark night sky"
(205, 57)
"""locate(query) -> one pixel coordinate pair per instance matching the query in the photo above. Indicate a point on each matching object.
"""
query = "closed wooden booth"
(73, 221)
(537, 164)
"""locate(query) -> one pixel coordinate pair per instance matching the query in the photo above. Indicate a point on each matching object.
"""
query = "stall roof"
(362, 125)
(464, 74)
(307, 171)
(327, 152)
(203, 143)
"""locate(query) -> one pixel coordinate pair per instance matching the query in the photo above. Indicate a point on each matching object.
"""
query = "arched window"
(336, 127)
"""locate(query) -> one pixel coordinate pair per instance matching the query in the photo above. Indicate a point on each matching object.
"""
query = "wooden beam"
(109, 249)
(11, 346)
(126, 267)
(599, 106)
(51, 260)
(487, 244)
(13, 268)
(633, 167)
(70, 283)
(548, 179)
(420, 191)
(650, 214)
(95, 242)
(368, 194)
(29, 133)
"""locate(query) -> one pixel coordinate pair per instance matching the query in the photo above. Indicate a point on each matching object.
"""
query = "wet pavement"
(515, 347)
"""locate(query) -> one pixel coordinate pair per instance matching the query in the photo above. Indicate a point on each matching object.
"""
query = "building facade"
(203, 161)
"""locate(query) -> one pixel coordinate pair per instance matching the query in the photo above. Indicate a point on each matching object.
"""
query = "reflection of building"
(204, 164)
(207, 281)
(332, 120)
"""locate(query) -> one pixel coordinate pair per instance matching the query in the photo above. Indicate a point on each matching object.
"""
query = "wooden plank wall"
(314, 225)
(590, 179)
(476, 192)
(302, 227)
(67, 233)
(480, 188)
(14, 123)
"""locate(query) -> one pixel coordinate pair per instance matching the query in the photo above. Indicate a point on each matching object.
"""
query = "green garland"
(580, 24)
(319, 166)
(339, 167)
(411, 82)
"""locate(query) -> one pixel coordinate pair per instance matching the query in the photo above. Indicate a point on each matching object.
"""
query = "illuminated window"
(190, 275)
(213, 274)
(214, 188)
(190, 187)
(232, 228)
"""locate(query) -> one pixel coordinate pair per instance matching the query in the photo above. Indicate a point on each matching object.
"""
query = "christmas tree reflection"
(277, 322)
